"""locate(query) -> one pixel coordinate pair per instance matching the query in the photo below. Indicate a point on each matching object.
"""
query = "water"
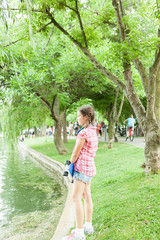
(30, 198)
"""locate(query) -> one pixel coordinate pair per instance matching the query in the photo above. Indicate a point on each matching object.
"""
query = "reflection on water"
(24, 187)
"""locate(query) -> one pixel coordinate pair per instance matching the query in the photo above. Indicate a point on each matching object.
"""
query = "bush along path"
(126, 201)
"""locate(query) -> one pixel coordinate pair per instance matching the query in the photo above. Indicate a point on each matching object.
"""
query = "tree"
(110, 102)
(126, 41)
(47, 74)
(19, 114)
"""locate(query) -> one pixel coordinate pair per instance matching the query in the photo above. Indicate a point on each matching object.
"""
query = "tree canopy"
(119, 37)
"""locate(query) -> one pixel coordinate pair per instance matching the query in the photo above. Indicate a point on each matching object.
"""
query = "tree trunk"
(65, 140)
(152, 151)
(35, 131)
(115, 133)
(111, 131)
(149, 124)
(157, 100)
(113, 117)
(43, 130)
(58, 138)
(58, 127)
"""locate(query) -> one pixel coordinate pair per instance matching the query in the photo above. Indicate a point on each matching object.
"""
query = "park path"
(137, 142)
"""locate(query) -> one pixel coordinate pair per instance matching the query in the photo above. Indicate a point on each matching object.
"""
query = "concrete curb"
(67, 219)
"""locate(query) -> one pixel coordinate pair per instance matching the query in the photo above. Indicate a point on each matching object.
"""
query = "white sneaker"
(88, 230)
(74, 237)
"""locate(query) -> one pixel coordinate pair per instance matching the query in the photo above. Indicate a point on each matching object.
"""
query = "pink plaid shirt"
(85, 162)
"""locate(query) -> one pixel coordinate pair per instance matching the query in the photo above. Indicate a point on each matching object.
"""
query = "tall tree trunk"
(58, 117)
(65, 140)
(43, 130)
(152, 148)
(58, 137)
(115, 133)
(157, 100)
(113, 117)
(35, 131)
(111, 131)
(58, 128)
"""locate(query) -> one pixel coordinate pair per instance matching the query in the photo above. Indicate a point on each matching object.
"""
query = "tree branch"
(109, 23)
(54, 116)
(134, 99)
(67, 6)
(122, 8)
(143, 73)
(78, 44)
(49, 106)
(79, 19)
(86, 52)
(103, 70)
(50, 36)
(24, 9)
(115, 104)
(119, 18)
(156, 65)
(81, 24)
(27, 35)
(14, 41)
(120, 107)
(44, 100)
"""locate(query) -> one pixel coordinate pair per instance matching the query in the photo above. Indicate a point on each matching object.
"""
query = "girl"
(84, 169)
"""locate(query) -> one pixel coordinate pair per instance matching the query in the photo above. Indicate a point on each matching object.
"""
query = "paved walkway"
(138, 141)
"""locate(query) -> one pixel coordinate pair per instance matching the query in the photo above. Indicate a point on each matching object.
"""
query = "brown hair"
(88, 111)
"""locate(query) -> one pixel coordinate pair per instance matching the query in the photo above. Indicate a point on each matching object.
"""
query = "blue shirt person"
(130, 124)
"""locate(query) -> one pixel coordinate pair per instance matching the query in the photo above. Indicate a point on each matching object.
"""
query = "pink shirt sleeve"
(83, 134)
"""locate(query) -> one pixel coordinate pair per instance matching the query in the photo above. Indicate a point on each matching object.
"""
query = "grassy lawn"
(126, 201)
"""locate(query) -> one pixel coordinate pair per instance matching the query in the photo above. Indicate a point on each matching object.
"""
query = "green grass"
(126, 201)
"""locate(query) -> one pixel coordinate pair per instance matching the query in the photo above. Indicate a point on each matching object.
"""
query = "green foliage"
(21, 113)
(48, 63)
(51, 71)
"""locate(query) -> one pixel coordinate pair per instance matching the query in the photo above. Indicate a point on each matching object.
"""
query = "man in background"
(130, 124)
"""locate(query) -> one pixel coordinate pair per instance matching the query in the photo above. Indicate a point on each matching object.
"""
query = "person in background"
(102, 127)
(31, 132)
(130, 124)
(76, 127)
(49, 131)
(84, 169)
(99, 130)
(70, 128)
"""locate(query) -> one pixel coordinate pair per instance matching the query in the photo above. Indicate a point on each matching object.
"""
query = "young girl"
(84, 169)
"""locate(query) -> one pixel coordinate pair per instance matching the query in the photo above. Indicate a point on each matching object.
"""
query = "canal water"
(31, 198)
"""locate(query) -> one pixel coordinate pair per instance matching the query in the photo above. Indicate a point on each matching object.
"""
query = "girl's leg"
(88, 203)
(78, 190)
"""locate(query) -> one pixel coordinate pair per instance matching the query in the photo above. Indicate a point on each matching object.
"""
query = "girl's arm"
(76, 151)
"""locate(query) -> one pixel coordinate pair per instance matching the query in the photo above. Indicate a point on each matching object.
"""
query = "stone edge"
(67, 219)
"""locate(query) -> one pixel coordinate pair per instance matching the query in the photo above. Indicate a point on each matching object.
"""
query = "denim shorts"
(81, 177)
